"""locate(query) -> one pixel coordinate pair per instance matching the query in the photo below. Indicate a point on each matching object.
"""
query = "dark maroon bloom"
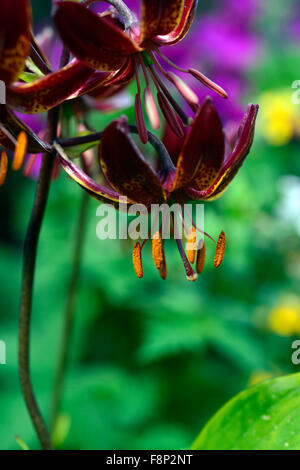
(101, 42)
(204, 168)
(37, 96)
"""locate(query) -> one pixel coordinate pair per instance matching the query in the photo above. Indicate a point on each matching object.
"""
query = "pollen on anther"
(200, 257)
(220, 250)
(137, 260)
(157, 250)
(191, 245)
(20, 151)
(3, 167)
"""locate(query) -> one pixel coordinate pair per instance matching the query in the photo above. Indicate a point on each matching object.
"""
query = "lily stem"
(69, 311)
(156, 143)
(128, 16)
(29, 263)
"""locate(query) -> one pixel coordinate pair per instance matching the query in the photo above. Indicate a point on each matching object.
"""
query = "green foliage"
(264, 417)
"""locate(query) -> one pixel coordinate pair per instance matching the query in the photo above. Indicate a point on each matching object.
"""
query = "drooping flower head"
(104, 43)
(204, 169)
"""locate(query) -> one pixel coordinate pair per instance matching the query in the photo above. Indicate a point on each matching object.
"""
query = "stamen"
(29, 165)
(168, 61)
(191, 244)
(137, 260)
(185, 119)
(196, 74)
(196, 227)
(220, 250)
(20, 151)
(149, 101)
(208, 83)
(170, 115)
(140, 121)
(200, 257)
(3, 167)
(151, 108)
(139, 116)
(157, 250)
(186, 92)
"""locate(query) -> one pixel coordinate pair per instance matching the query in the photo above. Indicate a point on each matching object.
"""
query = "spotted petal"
(183, 27)
(15, 24)
(125, 167)
(235, 160)
(86, 182)
(160, 17)
(93, 39)
(99, 82)
(202, 155)
(48, 91)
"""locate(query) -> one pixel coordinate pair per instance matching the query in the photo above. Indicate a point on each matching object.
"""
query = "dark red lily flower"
(204, 170)
(101, 42)
(39, 95)
(46, 92)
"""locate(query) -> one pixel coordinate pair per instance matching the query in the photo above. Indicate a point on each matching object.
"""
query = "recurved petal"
(86, 182)
(93, 39)
(48, 91)
(11, 127)
(100, 80)
(160, 17)
(235, 160)
(202, 155)
(183, 27)
(125, 167)
(15, 24)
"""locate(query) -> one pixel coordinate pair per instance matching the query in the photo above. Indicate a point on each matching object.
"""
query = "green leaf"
(264, 417)
(61, 430)
(77, 150)
(21, 443)
(33, 68)
(28, 77)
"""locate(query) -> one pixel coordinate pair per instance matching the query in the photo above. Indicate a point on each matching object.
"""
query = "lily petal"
(15, 38)
(203, 151)
(183, 27)
(93, 39)
(125, 167)
(99, 82)
(14, 126)
(235, 160)
(160, 17)
(96, 190)
(48, 91)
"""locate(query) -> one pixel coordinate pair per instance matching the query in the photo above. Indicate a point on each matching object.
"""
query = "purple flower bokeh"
(223, 45)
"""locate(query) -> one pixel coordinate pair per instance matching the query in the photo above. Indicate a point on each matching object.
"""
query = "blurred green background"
(151, 361)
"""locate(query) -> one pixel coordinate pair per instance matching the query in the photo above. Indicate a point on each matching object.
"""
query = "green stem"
(69, 311)
(156, 143)
(29, 262)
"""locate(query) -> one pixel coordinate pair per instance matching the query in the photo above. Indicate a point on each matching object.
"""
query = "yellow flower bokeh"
(284, 319)
(279, 117)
